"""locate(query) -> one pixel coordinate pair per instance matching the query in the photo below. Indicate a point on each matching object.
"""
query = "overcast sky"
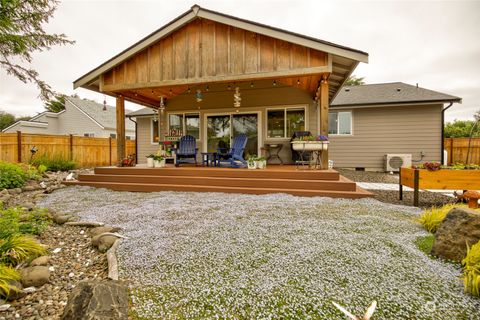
(433, 43)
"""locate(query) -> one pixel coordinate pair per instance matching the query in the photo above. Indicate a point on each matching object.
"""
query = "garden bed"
(444, 179)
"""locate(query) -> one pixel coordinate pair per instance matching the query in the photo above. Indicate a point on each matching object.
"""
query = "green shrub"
(42, 168)
(54, 164)
(471, 270)
(425, 243)
(16, 249)
(12, 176)
(7, 274)
(17, 220)
(431, 218)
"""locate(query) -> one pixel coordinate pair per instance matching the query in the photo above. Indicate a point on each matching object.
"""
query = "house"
(81, 117)
(370, 121)
(366, 123)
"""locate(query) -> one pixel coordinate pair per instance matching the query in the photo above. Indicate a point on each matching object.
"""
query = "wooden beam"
(323, 106)
(120, 113)
(225, 78)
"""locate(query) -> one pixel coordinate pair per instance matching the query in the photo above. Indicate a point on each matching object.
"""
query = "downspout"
(443, 132)
(136, 139)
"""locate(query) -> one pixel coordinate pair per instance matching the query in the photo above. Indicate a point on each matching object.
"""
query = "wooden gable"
(205, 51)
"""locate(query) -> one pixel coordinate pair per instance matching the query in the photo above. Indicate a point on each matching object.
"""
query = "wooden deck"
(274, 179)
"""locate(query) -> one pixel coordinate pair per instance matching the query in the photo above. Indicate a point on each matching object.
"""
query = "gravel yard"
(427, 198)
(213, 255)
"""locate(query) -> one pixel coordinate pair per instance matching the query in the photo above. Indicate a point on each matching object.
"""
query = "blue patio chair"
(186, 151)
(234, 156)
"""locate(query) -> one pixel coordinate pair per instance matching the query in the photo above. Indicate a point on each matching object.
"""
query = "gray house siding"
(379, 131)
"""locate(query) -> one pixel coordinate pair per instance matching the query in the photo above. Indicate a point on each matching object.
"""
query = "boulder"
(99, 230)
(62, 218)
(40, 261)
(460, 226)
(102, 300)
(104, 241)
(15, 191)
(35, 276)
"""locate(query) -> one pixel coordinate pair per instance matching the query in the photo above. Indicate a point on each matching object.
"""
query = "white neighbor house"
(80, 118)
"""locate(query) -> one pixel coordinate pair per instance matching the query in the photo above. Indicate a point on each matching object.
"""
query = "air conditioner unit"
(393, 162)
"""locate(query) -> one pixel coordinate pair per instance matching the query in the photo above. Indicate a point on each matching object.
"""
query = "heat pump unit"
(393, 162)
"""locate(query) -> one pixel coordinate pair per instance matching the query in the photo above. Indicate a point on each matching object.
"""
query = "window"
(113, 135)
(282, 123)
(340, 123)
(155, 138)
(91, 135)
(186, 123)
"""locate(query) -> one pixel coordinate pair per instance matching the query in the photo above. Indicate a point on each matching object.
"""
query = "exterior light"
(162, 104)
(229, 87)
(298, 82)
(199, 95)
(251, 84)
(207, 88)
(104, 103)
(237, 99)
(274, 82)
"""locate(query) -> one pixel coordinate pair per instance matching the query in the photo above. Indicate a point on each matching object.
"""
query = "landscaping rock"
(460, 226)
(105, 300)
(104, 241)
(15, 191)
(28, 206)
(4, 307)
(61, 219)
(40, 261)
(35, 276)
(99, 230)
(15, 291)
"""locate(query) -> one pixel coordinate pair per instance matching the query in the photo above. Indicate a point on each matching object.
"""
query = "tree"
(460, 129)
(56, 104)
(6, 119)
(354, 81)
(22, 34)
(477, 115)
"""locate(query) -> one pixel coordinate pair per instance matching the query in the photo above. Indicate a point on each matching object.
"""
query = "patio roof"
(342, 60)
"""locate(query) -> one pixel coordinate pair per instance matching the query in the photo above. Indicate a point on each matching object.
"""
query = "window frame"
(284, 108)
(184, 124)
(338, 124)
(152, 127)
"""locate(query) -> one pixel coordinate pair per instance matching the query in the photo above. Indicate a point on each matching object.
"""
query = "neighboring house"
(80, 117)
(365, 122)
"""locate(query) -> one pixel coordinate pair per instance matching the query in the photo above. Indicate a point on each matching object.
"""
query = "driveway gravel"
(214, 255)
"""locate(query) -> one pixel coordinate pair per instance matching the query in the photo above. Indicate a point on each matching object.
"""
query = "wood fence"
(457, 150)
(85, 151)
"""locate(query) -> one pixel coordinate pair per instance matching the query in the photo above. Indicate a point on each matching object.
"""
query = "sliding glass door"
(221, 129)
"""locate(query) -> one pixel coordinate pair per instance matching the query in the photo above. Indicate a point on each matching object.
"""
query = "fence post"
(71, 147)
(110, 150)
(19, 146)
(450, 158)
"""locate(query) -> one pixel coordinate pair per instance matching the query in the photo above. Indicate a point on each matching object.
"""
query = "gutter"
(136, 140)
(443, 132)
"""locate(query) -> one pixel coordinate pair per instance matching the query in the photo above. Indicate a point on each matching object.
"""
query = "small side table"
(273, 150)
(209, 159)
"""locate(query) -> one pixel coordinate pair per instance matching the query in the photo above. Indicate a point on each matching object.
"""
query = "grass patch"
(57, 163)
(16, 220)
(425, 243)
(7, 275)
(432, 217)
(471, 270)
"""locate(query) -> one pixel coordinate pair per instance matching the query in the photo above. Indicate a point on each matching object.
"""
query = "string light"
(298, 82)
(274, 82)
(251, 84)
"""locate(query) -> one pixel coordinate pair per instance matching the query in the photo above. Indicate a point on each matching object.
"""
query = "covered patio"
(218, 68)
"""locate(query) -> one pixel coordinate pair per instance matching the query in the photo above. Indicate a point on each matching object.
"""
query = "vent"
(393, 162)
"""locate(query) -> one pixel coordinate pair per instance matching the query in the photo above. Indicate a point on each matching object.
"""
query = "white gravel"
(214, 255)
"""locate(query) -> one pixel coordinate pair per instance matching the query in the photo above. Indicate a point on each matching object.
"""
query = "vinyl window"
(340, 123)
(282, 123)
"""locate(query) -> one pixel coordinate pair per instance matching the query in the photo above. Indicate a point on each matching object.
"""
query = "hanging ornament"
(237, 99)
(162, 104)
(155, 115)
(104, 103)
(199, 95)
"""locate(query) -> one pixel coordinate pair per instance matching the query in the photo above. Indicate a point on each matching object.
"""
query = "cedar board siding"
(378, 131)
(253, 100)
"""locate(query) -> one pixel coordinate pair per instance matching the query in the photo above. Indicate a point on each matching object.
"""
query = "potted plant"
(261, 163)
(159, 161)
(252, 162)
(150, 160)
(310, 143)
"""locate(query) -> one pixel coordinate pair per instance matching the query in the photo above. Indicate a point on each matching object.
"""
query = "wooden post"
(120, 109)
(19, 146)
(110, 150)
(71, 147)
(416, 178)
(323, 106)
(450, 156)
(400, 186)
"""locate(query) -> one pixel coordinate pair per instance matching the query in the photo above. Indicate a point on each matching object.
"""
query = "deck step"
(342, 184)
(276, 173)
(146, 187)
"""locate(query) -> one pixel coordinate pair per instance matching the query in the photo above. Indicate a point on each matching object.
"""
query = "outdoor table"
(274, 150)
(209, 159)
